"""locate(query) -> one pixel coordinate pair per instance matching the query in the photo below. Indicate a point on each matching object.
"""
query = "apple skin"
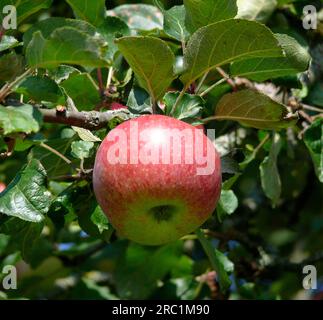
(2, 187)
(154, 204)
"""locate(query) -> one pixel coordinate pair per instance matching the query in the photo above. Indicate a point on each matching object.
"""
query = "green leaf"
(58, 41)
(174, 23)
(147, 265)
(228, 201)
(259, 10)
(189, 108)
(100, 220)
(217, 261)
(48, 26)
(151, 60)
(139, 16)
(83, 91)
(296, 60)
(11, 65)
(27, 197)
(224, 42)
(269, 174)
(86, 135)
(41, 89)
(23, 235)
(111, 29)
(54, 165)
(61, 73)
(8, 42)
(92, 11)
(82, 149)
(25, 8)
(25, 119)
(88, 289)
(139, 101)
(204, 12)
(313, 139)
(254, 109)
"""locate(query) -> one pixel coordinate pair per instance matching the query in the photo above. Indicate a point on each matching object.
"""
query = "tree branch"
(92, 120)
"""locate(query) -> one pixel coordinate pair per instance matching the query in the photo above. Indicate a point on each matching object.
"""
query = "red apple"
(147, 198)
(2, 187)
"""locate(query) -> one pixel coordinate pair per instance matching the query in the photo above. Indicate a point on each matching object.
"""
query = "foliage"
(247, 69)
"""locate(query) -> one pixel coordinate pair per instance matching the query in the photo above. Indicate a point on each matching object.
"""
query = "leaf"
(260, 69)
(100, 220)
(82, 149)
(25, 119)
(139, 101)
(224, 42)
(61, 73)
(23, 235)
(313, 139)
(86, 135)
(8, 42)
(41, 89)
(254, 109)
(139, 16)
(189, 108)
(204, 12)
(92, 11)
(11, 65)
(151, 60)
(217, 261)
(78, 201)
(111, 29)
(83, 91)
(88, 289)
(48, 26)
(259, 10)
(270, 179)
(58, 41)
(54, 165)
(25, 8)
(26, 197)
(147, 265)
(174, 23)
(228, 201)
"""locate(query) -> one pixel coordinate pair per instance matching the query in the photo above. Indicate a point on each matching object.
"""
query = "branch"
(92, 120)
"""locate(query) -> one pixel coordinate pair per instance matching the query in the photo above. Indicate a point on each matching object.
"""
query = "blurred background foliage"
(267, 244)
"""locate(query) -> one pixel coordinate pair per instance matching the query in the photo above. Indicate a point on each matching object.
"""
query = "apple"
(2, 187)
(147, 198)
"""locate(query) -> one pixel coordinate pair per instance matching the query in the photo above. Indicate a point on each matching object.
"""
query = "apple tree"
(73, 71)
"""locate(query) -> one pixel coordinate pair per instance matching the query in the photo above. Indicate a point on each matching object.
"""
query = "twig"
(199, 86)
(6, 89)
(227, 78)
(178, 100)
(47, 147)
(110, 75)
(212, 87)
(101, 86)
(310, 108)
(92, 120)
